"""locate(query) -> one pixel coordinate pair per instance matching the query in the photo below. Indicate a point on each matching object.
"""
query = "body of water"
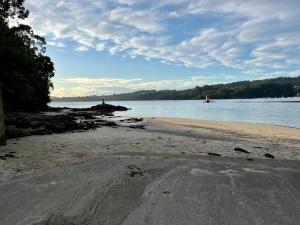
(279, 111)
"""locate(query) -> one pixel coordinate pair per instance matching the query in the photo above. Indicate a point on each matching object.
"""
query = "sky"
(116, 46)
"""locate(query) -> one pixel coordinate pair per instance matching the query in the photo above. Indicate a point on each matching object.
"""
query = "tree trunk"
(2, 126)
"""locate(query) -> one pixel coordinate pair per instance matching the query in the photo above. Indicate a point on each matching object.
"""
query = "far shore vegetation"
(267, 88)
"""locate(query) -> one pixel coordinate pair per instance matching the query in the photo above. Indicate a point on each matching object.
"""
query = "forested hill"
(277, 87)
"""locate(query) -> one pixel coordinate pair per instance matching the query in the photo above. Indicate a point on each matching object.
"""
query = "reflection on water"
(280, 111)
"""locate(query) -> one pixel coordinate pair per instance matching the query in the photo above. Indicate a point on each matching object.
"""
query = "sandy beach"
(162, 136)
(261, 130)
(217, 172)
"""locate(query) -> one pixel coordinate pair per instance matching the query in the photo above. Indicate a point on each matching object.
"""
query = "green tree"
(25, 72)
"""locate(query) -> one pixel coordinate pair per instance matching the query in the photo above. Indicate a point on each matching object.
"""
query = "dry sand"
(262, 130)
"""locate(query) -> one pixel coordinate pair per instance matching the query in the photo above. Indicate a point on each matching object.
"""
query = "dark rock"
(166, 192)
(15, 132)
(136, 173)
(58, 120)
(137, 119)
(110, 123)
(56, 109)
(106, 123)
(108, 107)
(88, 116)
(268, 155)
(58, 128)
(241, 150)
(20, 121)
(137, 126)
(250, 159)
(9, 156)
(36, 123)
(133, 167)
(40, 131)
(213, 154)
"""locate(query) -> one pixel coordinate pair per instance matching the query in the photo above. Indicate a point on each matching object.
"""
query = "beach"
(161, 136)
(252, 129)
(144, 170)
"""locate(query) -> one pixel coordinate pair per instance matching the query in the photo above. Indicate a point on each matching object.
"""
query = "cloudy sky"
(113, 46)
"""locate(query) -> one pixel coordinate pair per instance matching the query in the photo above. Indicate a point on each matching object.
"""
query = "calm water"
(280, 111)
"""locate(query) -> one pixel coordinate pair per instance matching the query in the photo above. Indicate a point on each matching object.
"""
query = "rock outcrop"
(58, 120)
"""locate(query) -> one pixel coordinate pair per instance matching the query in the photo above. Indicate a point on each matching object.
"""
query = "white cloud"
(173, 14)
(127, 2)
(98, 82)
(56, 44)
(100, 46)
(246, 34)
(72, 91)
(82, 48)
(146, 20)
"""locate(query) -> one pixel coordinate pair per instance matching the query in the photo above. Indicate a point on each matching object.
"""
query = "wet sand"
(175, 191)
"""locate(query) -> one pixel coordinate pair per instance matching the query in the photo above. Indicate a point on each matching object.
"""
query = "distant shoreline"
(267, 88)
(137, 100)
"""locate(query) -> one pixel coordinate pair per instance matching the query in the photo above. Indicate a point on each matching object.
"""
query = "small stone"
(268, 155)
(214, 154)
(136, 173)
(241, 150)
(9, 156)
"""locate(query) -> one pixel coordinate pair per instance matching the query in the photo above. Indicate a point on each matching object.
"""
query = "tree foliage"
(25, 72)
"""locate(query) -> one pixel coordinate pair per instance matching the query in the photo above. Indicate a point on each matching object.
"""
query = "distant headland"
(267, 88)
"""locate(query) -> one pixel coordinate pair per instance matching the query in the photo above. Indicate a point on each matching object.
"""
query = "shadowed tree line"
(278, 87)
(25, 70)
